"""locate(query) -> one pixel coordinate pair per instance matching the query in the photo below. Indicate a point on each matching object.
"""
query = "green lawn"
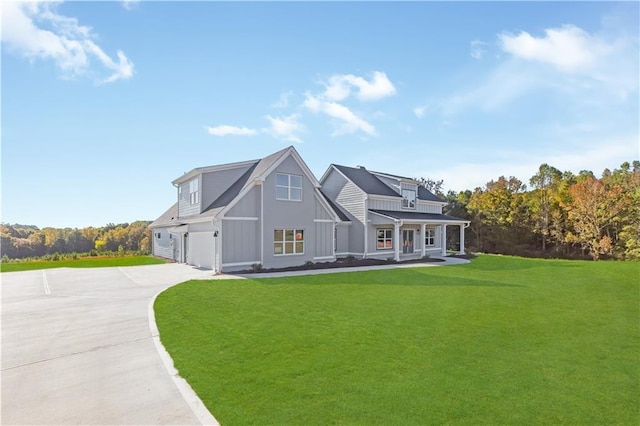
(502, 340)
(83, 262)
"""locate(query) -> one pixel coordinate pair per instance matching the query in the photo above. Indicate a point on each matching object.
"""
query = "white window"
(408, 199)
(429, 237)
(193, 192)
(288, 187)
(385, 239)
(288, 241)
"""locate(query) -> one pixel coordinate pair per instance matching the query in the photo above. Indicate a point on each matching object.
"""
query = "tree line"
(23, 241)
(559, 214)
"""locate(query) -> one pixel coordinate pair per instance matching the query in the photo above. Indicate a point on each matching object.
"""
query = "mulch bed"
(340, 263)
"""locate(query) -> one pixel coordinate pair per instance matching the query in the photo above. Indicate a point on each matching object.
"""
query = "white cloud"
(283, 100)
(225, 130)
(346, 121)
(130, 4)
(478, 49)
(37, 31)
(420, 110)
(568, 48)
(338, 87)
(285, 127)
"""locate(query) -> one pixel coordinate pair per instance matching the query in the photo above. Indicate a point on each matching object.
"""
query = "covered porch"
(405, 235)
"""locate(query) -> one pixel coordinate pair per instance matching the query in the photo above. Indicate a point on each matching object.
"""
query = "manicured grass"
(83, 262)
(502, 340)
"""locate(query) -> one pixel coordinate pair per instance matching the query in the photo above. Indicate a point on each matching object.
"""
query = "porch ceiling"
(419, 217)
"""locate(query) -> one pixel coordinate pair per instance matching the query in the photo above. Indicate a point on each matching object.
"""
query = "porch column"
(396, 237)
(423, 232)
(444, 240)
(461, 239)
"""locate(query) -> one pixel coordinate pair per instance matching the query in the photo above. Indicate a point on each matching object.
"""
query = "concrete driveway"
(77, 348)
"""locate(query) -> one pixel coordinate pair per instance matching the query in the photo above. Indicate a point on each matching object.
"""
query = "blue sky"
(104, 104)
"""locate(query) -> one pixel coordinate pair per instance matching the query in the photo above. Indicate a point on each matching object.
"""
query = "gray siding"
(385, 204)
(248, 206)
(324, 239)
(185, 208)
(215, 183)
(290, 215)
(240, 242)
(162, 246)
(352, 199)
(342, 236)
(429, 208)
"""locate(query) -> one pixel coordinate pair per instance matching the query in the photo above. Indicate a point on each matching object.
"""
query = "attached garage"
(201, 249)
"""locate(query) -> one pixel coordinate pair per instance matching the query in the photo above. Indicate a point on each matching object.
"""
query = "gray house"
(275, 213)
(232, 216)
(390, 216)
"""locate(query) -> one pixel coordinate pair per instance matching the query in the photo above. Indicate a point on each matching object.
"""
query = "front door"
(407, 241)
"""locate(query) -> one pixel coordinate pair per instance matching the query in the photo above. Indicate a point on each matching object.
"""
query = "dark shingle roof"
(232, 192)
(336, 208)
(425, 194)
(167, 218)
(366, 181)
(418, 216)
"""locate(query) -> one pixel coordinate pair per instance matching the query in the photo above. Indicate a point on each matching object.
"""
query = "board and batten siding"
(185, 208)
(426, 207)
(248, 206)
(240, 242)
(215, 183)
(283, 214)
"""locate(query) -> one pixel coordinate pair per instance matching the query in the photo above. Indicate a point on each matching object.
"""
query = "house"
(233, 216)
(275, 213)
(390, 216)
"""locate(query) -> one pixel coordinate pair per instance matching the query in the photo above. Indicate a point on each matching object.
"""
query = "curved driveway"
(77, 348)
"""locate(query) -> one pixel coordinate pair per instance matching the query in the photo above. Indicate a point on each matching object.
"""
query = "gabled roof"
(167, 218)
(258, 170)
(371, 184)
(336, 208)
(366, 181)
(417, 216)
(232, 192)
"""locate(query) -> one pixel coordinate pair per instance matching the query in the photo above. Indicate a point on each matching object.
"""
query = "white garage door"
(201, 249)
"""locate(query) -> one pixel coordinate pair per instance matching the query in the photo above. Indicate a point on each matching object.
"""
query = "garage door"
(201, 249)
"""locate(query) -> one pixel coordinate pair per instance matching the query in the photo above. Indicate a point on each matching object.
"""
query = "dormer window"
(288, 187)
(193, 192)
(408, 199)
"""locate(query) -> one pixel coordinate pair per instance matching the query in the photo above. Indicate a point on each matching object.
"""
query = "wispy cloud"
(130, 4)
(283, 100)
(36, 31)
(346, 121)
(478, 49)
(568, 48)
(338, 87)
(285, 128)
(419, 111)
(226, 130)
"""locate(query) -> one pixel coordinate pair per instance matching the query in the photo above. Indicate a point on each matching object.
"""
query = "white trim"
(324, 220)
(324, 258)
(240, 218)
(261, 223)
(235, 201)
(381, 253)
(291, 151)
(349, 253)
(240, 263)
(326, 205)
(209, 169)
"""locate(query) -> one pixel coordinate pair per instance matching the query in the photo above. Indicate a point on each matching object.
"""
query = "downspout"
(261, 222)
(366, 227)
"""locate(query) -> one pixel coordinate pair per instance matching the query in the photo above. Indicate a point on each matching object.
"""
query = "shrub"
(309, 263)
(256, 267)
